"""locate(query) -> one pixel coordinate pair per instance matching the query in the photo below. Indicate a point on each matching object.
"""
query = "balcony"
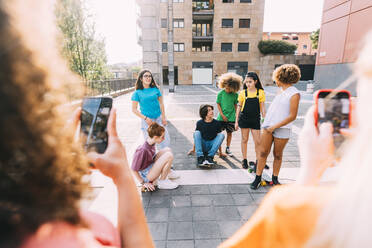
(202, 37)
(202, 10)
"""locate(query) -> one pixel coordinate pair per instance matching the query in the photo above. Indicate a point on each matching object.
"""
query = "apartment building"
(344, 26)
(300, 39)
(210, 37)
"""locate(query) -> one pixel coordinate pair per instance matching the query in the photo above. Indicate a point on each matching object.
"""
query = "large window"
(226, 47)
(245, 1)
(164, 47)
(227, 23)
(243, 47)
(201, 29)
(244, 23)
(227, 1)
(240, 68)
(179, 47)
(164, 22)
(178, 23)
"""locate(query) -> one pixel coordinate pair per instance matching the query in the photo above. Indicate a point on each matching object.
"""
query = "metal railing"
(108, 87)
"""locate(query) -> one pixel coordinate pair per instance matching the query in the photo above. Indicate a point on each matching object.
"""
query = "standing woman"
(149, 97)
(251, 105)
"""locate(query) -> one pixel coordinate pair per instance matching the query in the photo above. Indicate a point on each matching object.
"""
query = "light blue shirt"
(148, 101)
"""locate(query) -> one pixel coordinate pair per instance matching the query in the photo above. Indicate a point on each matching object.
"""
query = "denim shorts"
(145, 172)
(281, 133)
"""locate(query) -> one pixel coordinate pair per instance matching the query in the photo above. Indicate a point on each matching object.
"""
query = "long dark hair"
(139, 83)
(255, 77)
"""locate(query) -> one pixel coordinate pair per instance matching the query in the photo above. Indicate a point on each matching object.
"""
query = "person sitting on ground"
(42, 168)
(148, 165)
(227, 100)
(207, 136)
(332, 215)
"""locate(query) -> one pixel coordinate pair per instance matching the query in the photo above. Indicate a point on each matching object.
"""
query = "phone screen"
(335, 110)
(94, 117)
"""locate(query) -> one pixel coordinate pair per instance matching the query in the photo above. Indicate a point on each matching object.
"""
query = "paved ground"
(209, 205)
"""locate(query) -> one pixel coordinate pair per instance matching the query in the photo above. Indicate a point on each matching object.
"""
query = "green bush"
(276, 47)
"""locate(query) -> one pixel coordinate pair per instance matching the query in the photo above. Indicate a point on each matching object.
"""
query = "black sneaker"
(245, 164)
(266, 166)
(209, 160)
(228, 152)
(256, 183)
(275, 180)
(200, 161)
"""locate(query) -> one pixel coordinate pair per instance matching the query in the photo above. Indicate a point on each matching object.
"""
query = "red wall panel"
(337, 12)
(328, 4)
(360, 4)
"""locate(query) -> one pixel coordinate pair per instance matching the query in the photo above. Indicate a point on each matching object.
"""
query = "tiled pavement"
(218, 201)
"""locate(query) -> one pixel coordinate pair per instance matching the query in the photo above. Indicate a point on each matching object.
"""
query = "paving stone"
(218, 189)
(160, 244)
(242, 199)
(228, 228)
(159, 202)
(158, 230)
(240, 188)
(222, 200)
(227, 213)
(181, 190)
(199, 189)
(181, 201)
(247, 211)
(206, 230)
(145, 200)
(180, 231)
(257, 198)
(207, 243)
(180, 244)
(157, 214)
(180, 214)
(202, 200)
(203, 213)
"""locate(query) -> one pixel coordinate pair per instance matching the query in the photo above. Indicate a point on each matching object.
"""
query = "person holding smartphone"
(150, 100)
(278, 121)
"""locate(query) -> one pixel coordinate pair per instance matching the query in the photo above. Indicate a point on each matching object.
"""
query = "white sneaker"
(173, 174)
(167, 184)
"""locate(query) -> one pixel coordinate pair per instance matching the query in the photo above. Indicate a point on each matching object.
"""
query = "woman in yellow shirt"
(307, 215)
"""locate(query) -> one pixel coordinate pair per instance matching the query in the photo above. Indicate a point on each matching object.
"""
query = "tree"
(276, 47)
(85, 53)
(314, 37)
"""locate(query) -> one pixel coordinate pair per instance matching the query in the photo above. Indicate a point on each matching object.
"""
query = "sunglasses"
(147, 76)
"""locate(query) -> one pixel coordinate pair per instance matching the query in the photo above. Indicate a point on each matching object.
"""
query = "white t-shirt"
(279, 108)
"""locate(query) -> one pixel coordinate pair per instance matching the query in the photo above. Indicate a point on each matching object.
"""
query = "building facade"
(300, 39)
(344, 26)
(210, 37)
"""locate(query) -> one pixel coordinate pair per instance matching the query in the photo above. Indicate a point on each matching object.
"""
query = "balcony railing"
(108, 87)
(207, 36)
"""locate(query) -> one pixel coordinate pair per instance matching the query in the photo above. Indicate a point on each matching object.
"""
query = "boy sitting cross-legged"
(207, 137)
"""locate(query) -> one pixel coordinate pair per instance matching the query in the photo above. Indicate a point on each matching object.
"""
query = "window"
(164, 22)
(244, 23)
(243, 47)
(179, 47)
(285, 38)
(245, 1)
(304, 46)
(178, 23)
(227, 23)
(240, 68)
(226, 47)
(227, 1)
(295, 38)
(178, 1)
(164, 47)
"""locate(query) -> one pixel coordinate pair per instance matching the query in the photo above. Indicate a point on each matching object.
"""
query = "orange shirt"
(286, 218)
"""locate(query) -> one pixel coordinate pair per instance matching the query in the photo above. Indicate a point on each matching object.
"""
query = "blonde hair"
(230, 80)
(287, 74)
(346, 220)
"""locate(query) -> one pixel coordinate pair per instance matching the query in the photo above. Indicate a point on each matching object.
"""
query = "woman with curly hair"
(278, 121)
(226, 101)
(41, 166)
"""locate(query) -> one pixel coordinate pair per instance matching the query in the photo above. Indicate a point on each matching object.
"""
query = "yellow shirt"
(241, 97)
(286, 218)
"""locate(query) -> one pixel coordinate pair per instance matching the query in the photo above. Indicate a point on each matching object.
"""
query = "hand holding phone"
(334, 107)
(94, 117)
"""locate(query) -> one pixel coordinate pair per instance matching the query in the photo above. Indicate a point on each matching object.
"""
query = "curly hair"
(139, 83)
(230, 80)
(41, 167)
(155, 130)
(287, 74)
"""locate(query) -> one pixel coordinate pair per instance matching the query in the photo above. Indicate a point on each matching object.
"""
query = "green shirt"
(227, 102)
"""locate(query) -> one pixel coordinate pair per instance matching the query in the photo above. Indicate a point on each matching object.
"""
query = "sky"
(116, 22)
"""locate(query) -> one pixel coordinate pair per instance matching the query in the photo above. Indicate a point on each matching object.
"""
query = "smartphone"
(94, 117)
(334, 107)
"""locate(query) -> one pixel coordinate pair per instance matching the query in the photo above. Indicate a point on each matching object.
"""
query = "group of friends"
(244, 110)
(43, 168)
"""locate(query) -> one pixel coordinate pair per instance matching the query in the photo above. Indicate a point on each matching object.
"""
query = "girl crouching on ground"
(278, 121)
(148, 165)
